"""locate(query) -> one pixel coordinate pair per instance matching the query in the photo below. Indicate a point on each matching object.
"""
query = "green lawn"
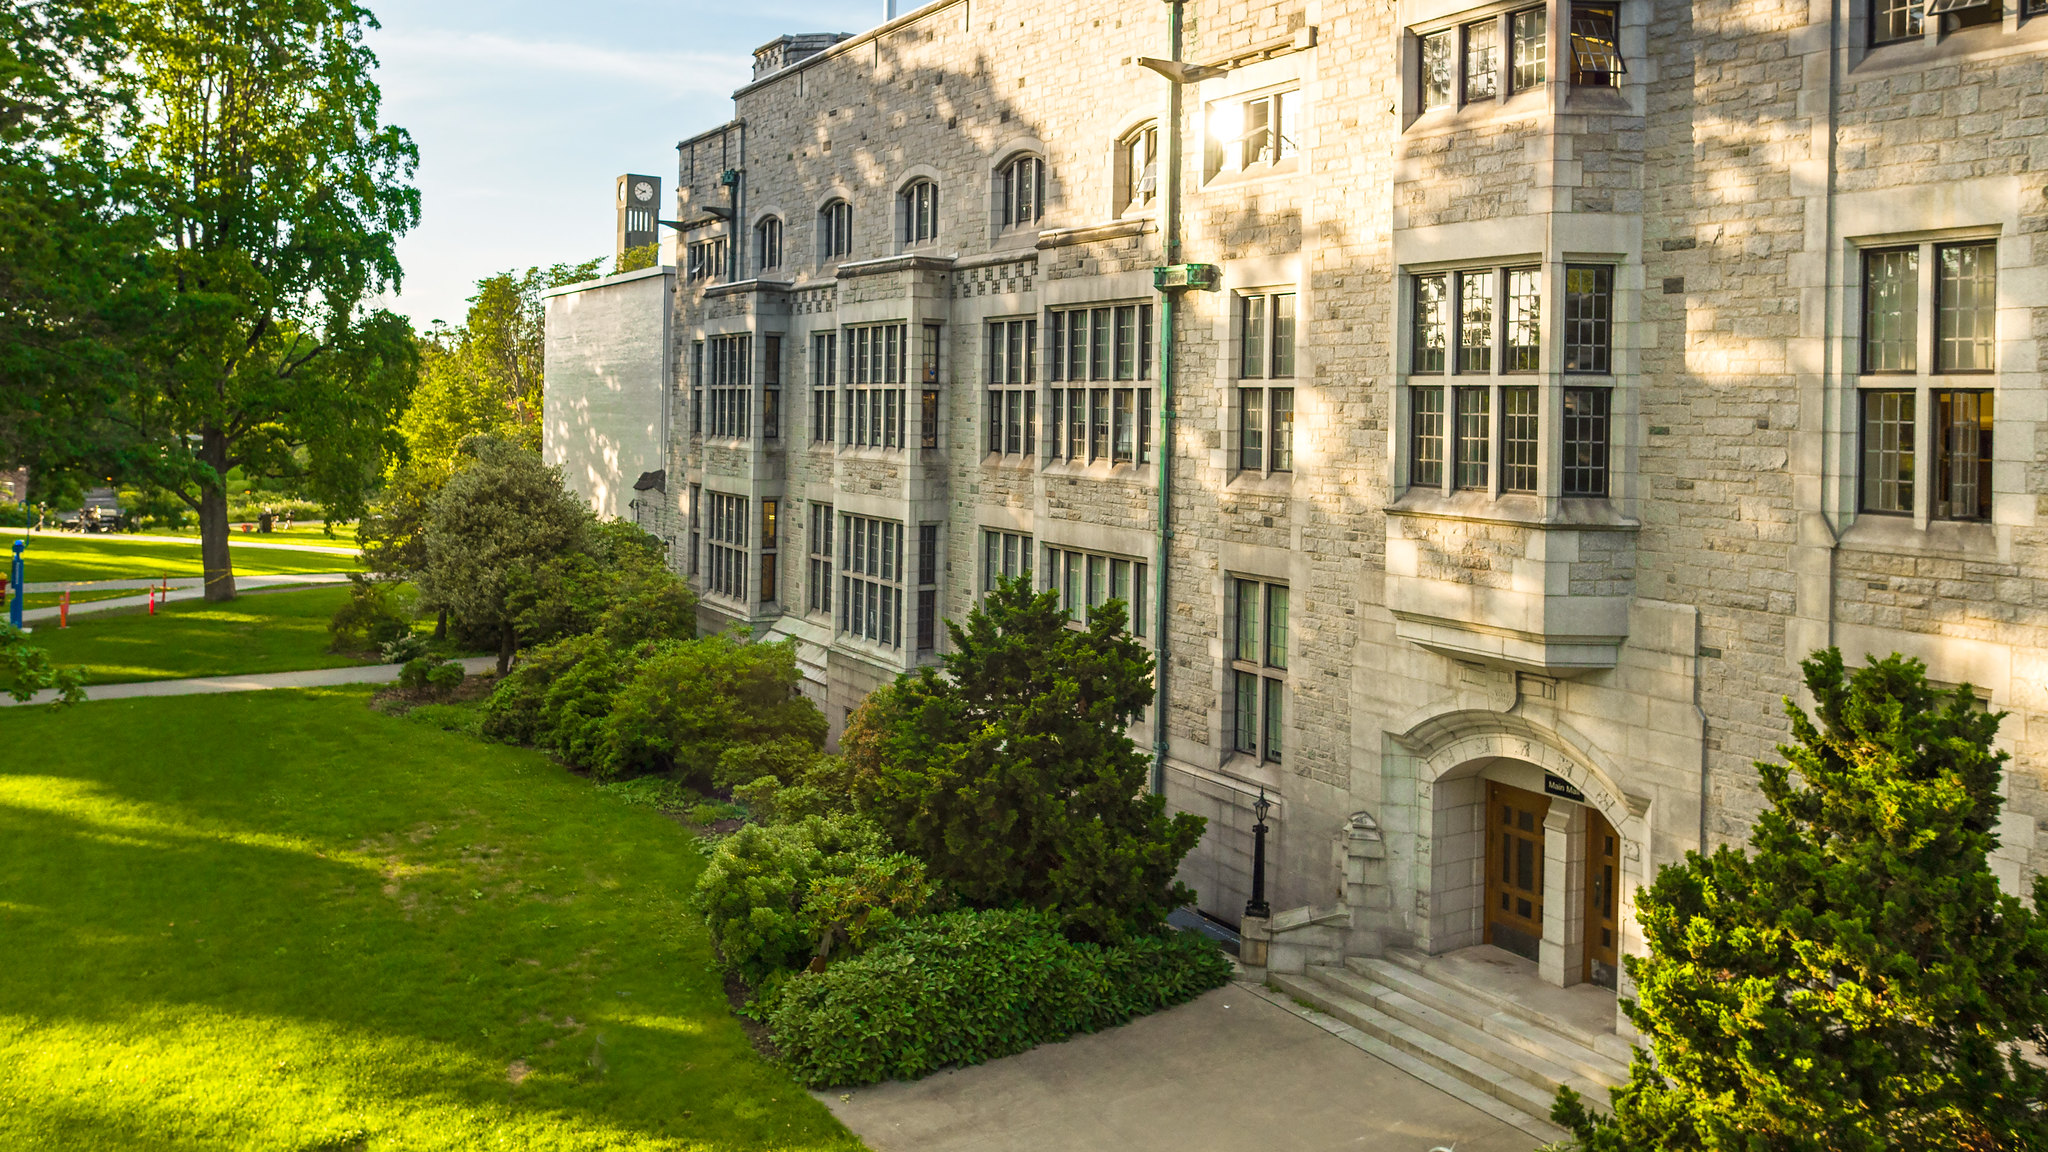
(258, 632)
(52, 558)
(279, 920)
(344, 534)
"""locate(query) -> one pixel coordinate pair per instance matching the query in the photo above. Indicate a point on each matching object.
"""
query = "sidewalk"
(181, 589)
(236, 540)
(1227, 1072)
(316, 678)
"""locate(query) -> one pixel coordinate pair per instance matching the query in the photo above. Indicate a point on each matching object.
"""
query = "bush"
(405, 649)
(691, 700)
(444, 678)
(374, 614)
(776, 898)
(786, 759)
(654, 792)
(968, 987)
(413, 677)
(251, 510)
(430, 675)
(558, 696)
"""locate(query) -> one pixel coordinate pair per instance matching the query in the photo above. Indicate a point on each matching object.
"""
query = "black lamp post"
(1257, 906)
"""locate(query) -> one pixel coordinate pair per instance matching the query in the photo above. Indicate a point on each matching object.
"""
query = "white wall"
(604, 417)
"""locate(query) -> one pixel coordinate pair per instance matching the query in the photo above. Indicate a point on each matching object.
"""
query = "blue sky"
(524, 111)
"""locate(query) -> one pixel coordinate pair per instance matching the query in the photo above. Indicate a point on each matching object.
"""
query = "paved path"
(180, 590)
(315, 678)
(237, 540)
(1230, 1071)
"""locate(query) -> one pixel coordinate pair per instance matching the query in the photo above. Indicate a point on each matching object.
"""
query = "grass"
(83, 596)
(260, 632)
(344, 534)
(70, 558)
(280, 920)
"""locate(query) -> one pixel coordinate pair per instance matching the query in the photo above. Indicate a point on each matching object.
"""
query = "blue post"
(15, 580)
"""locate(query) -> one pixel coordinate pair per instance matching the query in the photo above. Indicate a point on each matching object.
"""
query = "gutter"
(1170, 166)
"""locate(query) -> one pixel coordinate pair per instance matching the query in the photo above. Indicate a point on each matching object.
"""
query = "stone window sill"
(1580, 514)
(1895, 535)
(1982, 42)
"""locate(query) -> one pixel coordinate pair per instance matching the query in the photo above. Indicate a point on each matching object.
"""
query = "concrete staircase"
(1483, 1045)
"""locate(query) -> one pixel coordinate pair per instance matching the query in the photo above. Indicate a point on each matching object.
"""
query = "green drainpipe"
(1169, 166)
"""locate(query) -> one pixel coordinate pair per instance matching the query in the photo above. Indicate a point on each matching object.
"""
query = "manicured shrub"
(413, 677)
(786, 759)
(405, 649)
(444, 678)
(691, 700)
(778, 897)
(374, 614)
(971, 986)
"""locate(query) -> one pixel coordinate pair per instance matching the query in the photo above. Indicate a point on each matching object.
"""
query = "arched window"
(835, 230)
(1023, 191)
(768, 243)
(920, 212)
(1138, 165)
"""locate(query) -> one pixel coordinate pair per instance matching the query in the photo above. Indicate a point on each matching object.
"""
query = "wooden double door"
(1514, 880)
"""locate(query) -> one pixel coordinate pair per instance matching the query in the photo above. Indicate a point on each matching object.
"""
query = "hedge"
(967, 987)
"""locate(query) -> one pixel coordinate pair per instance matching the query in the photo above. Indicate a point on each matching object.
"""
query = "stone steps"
(1605, 1043)
(1461, 1039)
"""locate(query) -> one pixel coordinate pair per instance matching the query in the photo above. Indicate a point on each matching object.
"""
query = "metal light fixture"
(1257, 906)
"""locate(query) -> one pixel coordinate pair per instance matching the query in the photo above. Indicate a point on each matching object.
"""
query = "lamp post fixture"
(1257, 906)
(16, 586)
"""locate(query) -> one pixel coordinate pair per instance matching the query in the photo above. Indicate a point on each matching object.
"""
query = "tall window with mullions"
(1475, 438)
(1258, 668)
(1475, 321)
(1585, 441)
(1888, 451)
(1519, 436)
(1589, 319)
(871, 581)
(1426, 437)
(1962, 481)
(1012, 358)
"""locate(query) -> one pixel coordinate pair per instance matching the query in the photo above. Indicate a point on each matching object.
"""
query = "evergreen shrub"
(970, 986)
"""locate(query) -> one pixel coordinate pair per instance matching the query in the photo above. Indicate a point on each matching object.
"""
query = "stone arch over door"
(1449, 753)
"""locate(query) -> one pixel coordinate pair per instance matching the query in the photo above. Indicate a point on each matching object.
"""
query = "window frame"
(767, 244)
(1256, 681)
(1099, 368)
(835, 230)
(1011, 212)
(918, 203)
(1137, 184)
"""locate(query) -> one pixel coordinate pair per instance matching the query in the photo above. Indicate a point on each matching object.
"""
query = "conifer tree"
(1856, 981)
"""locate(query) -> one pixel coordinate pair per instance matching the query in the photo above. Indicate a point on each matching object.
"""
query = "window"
(1110, 344)
(725, 554)
(835, 230)
(1891, 310)
(1475, 437)
(768, 244)
(1265, 335)
(1475, 321)
(818, 575)
(1531, 49)
(1012, 389)
(1966, 302)
(704, 259)
(731, 389)
(1022, 200)
(696, 524)
(871, 584)
(1955, 470)
(1596, 46)
(697, 388)
(1265, 429)
(927, 583)
(928, 396)
(1432, 322)
(1088, 580)
(920, 206)
(1138, 156)
(1892, 20)
(770, 530)
(771, 386)
(1585, 441)
(1004, 556)
(824, 386)
(1588, 318)
(1522, 346)
(1519, 436)
(1265, 350)
(1436, 71)
(1252, 133)
(1426, 437)
(1258, 668)
(1482, 60)
(877, 364)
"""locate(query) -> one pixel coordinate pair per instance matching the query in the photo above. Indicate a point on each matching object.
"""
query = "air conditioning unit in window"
(1173, 277)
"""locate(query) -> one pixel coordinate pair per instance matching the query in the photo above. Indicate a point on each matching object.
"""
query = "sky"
(525, 110)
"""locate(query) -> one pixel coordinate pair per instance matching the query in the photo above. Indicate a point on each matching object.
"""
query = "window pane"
(1283, 429)
(1518, 436)
(1525, 322)
(1475, 321)
(1888, 451)
(1426, 432)
(1251, 354)
(1482, 60)
(1276, 693)
(1475, 436)
(1895, 20)
(1251, 430)
(1247, 620)
(1967, 303)
(1432, 320)
(1532, 48)
(1588, 318)
(1596, 53)
(1276, 626)
(1098, 344)
(1283, 335)
(1098, 412)
(1585, 441)
(1124, 415)
(1258, 132)
(1126, 342)
(1891, 309)
(1246, 708)
(1962, 489)
(1436, 70)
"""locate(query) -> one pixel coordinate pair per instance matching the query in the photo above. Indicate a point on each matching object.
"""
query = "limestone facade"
(1577, 551)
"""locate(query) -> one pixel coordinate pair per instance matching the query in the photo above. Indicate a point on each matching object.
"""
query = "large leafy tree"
(1856, 981)
(1013, 777)
(274, 197)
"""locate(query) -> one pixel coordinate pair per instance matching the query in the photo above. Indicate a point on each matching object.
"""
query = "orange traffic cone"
(152, 601)
(64, 610)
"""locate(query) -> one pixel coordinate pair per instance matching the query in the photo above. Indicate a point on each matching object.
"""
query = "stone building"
(1553, 379)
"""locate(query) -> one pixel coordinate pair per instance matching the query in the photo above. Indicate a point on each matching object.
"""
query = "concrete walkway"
(236, 540)
(181, 589)
(314, 678)
(1229, 1071)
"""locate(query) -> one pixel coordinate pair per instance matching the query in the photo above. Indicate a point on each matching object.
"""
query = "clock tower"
(639, 202)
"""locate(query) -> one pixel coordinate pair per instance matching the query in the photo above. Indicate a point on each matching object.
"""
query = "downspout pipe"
(1169, 298)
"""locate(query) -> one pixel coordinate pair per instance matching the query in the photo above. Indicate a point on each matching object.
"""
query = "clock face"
(622, 191)
(643, 191)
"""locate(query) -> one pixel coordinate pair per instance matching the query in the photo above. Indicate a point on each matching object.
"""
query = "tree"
(489, 534)
(273, 198)
(1013, 776)
(1856, 981)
